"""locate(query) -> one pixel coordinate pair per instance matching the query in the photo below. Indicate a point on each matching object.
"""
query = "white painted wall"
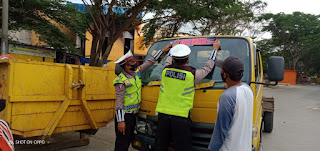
(21, 36)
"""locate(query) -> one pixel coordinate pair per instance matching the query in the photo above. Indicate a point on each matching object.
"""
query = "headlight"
(141, 126)
(146, 126)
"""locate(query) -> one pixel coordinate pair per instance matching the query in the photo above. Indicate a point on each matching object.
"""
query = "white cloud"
(76, 1)
(289, 6)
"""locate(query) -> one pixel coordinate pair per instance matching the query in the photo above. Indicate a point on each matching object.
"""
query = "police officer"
(176, 98)
(128, 93)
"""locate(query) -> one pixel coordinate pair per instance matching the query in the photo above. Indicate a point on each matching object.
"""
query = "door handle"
(79, 85)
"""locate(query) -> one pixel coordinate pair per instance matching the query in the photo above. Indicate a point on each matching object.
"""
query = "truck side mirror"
(118, 69)
(275, 68)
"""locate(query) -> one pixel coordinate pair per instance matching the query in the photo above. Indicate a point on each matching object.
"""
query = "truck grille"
(201, 135)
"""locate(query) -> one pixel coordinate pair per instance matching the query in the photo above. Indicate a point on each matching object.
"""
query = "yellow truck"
(204, 112)
(46, 98)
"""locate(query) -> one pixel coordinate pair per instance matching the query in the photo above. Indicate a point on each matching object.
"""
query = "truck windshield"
(199, 56)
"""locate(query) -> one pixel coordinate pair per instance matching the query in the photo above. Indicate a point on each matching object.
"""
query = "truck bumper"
(147, 141)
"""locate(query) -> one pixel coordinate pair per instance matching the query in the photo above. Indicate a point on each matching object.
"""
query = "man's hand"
(176, 42)
(122, 127)
(216, 45)
(167, 48)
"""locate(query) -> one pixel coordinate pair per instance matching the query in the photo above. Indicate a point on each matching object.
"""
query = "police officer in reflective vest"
(176, 98)
(128, 93)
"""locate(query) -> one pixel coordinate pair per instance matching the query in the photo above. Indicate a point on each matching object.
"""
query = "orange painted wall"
(139, 47)
(116, 52)
(290, 77)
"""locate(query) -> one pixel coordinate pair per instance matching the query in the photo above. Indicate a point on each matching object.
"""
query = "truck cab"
(208, 90)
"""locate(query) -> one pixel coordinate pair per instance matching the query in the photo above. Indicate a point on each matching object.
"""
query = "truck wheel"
(268, 122)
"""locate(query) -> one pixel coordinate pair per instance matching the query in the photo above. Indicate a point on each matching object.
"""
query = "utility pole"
(4, 39)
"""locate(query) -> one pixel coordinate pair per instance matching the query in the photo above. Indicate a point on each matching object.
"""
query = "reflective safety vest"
(176, 92)
(132, 96)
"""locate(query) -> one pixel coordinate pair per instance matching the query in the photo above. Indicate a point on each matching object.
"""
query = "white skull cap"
(180, 50)
(122, 60)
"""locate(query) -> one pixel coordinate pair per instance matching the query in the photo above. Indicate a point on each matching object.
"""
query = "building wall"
(118, 48)
(35, 41)
(32, 38)
(23, 36)
(290, 76)
(88, 44)
(139, 47)
(27, 38)
(116, 52)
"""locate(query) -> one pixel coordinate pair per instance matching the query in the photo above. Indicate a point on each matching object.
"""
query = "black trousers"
(173, 128)
(123, 141)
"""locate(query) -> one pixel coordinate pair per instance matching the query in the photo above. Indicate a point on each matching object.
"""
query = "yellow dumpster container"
(46, 98)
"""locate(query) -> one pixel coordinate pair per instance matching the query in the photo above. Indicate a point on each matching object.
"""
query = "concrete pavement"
(296, 122)
(103, 140)
(296, 119)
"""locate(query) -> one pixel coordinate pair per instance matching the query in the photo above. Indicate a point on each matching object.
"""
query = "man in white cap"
(176, 98)
(128, 93)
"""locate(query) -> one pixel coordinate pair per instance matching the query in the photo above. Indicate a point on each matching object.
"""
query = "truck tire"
(268, 122)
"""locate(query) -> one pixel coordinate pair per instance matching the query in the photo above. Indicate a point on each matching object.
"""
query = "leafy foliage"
(267, 50)
(44, 17)
(112, 23)
(297, 35)
(228, 17)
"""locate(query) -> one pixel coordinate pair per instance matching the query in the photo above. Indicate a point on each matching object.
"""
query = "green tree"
(310, 63)
(232, 18)
(268, 49)
(43, 16)
(203, 17)
(297, 35)
(112, 23)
